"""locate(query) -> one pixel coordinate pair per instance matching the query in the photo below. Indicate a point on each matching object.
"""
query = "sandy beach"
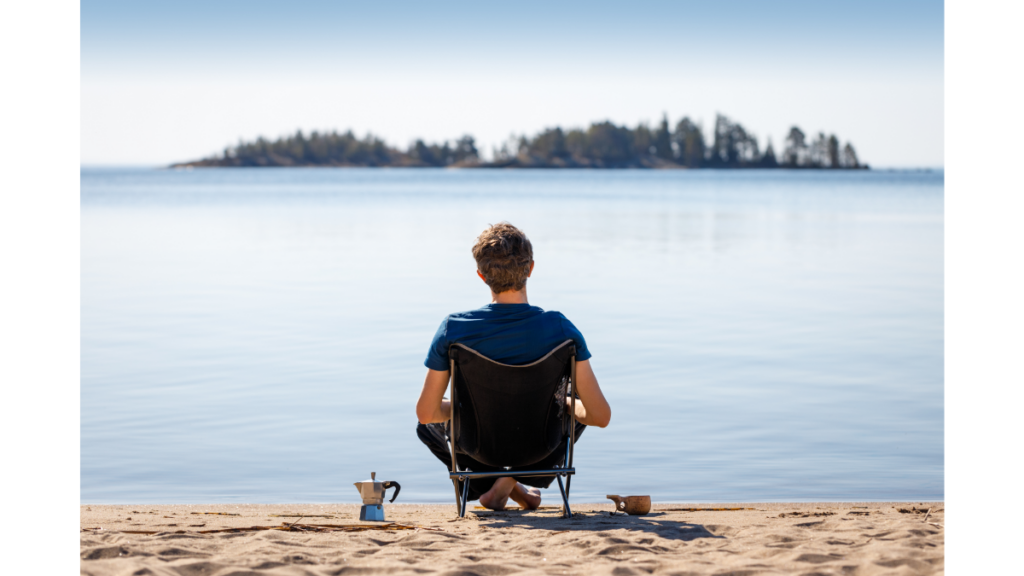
(678, 539)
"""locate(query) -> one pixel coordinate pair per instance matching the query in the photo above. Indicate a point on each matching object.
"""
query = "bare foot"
(526, 496)
(497, 496)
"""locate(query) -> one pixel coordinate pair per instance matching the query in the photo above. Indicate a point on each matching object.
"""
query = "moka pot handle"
(395, 485)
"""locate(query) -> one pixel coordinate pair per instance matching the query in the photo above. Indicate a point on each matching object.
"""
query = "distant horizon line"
(164, 166)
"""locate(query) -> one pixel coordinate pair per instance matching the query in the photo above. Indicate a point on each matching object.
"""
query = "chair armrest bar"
(509, 473)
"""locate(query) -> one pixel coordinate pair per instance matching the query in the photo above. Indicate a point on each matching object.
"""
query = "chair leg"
(458, 501)
(566, 511)
(465, 498)
(568, 463)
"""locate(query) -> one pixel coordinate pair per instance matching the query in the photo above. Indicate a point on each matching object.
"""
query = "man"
(510, 331)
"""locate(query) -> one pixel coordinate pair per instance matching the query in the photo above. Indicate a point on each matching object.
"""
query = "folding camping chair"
(511, 417)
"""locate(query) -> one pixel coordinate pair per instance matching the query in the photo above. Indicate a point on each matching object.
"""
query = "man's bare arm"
(591, 408)
(432, 407)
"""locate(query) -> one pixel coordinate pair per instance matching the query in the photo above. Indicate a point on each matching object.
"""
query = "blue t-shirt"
(508, 333)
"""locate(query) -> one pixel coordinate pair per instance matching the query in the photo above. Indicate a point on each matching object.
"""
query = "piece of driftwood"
(804, 514)
(216, 513)
(914, 510)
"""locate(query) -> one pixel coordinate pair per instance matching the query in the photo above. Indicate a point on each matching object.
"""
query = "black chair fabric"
(508, 415)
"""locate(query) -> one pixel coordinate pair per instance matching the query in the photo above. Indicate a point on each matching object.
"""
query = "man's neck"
(510, 297)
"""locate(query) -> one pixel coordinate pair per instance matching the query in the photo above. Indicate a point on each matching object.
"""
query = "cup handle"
(620, 504)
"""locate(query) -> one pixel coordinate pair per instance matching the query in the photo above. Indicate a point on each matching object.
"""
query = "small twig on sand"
(927, 515)
(296, 522)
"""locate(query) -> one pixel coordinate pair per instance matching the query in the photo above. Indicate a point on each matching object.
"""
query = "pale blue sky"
(165, 81)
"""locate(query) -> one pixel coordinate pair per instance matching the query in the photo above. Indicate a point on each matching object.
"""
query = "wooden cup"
(632, 505)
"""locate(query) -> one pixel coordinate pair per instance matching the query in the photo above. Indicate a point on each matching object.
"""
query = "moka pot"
(372, 493)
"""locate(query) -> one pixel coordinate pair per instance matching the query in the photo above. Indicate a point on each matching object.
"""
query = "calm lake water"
(259, 335)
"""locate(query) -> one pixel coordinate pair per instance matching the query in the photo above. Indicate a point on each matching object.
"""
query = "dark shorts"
(433, 436)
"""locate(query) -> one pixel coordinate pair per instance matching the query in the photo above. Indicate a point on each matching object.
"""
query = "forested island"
(602, 145)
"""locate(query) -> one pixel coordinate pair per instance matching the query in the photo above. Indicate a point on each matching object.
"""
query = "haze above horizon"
(165, 82)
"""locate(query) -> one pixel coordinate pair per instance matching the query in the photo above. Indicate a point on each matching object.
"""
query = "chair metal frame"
(566, 470)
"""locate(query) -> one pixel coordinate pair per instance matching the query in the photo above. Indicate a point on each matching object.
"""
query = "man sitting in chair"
(511, 331)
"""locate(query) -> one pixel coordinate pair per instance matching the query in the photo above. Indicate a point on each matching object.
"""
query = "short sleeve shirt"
(508, 333)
